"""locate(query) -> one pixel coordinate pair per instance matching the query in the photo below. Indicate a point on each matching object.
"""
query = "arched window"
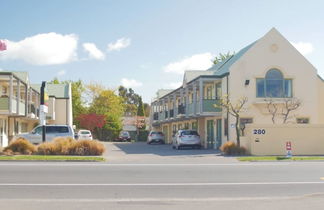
(274, 85)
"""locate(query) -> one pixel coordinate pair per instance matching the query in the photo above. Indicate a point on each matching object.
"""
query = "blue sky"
(151, 42)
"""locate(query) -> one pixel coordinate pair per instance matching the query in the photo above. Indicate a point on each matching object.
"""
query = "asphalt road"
(185, 185)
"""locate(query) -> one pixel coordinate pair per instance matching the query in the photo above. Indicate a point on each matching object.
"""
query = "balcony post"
(26, 100)
(187, 101)
(201, 95)
(18, 95)
(194, 100)
(10, 94)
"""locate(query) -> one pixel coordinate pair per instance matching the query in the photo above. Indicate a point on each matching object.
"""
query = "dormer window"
(274, 85)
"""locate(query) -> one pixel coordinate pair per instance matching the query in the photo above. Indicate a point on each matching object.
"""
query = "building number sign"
(259, 131)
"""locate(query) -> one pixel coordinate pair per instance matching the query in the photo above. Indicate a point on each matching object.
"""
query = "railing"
(4, 103)
(210, 105)
(22, 107)
(191, 108)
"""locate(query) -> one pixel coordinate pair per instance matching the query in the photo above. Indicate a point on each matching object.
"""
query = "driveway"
(140, 152)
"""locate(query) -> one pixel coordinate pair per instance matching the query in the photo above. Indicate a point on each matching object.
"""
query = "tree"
(140, 108)
(92, 121)
(235, 110)
(130, 99)
(286, 106)
(110, 105)
(147, 109)
(290, 104)
(221, 57)
(272, 109)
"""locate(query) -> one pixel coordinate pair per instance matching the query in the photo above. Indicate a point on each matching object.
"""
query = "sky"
(146, 45)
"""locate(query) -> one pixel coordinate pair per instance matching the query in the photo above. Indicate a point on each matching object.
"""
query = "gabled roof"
(55, 90)
(222, 68)
(192, 74)
(21, 75)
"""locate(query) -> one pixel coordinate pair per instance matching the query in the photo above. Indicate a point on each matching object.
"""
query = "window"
(186, 126)
(23, 127)
(274, 85)
(218, 91)
(302, 120)
(225, 127)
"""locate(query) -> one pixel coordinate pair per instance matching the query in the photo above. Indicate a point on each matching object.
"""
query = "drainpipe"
(227, 110)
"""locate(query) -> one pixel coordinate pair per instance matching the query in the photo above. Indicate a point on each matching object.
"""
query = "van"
(52, 131)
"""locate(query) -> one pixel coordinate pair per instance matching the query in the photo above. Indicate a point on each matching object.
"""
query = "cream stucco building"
(269, 69)
(20, 101)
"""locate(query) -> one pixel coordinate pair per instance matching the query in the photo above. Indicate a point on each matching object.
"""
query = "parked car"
(155, 137)
(124, 136)
(52, 131)
(186, 138)
(84, 135)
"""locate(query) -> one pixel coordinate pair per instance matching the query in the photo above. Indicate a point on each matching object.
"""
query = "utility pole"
(43, 110)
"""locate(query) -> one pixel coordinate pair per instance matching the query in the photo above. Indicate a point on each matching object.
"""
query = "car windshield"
(156, 133)
(85, 132)
(187, 133)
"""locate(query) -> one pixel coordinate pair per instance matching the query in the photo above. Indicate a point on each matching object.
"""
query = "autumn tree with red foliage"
(92, 121)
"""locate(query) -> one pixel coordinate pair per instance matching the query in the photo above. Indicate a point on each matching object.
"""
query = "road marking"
(158, 184)
(143, 164)
(159, 200)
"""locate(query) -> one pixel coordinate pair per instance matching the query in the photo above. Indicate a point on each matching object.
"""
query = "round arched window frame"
(274, 85)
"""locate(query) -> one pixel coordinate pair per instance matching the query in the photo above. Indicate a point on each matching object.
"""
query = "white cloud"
(173, 85)
(43, 49)
(130, 83)
(93, 51)
(195, 62)
(303, 47)
(119, 44)
(61, 73)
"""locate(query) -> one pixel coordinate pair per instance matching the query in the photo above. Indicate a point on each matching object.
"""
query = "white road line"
(159, 184)
(142, 164)
(111, 200)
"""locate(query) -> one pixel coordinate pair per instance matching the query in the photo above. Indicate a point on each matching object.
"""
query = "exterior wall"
(274, 51)
(61, 107)
(321, 100)
(273, 142)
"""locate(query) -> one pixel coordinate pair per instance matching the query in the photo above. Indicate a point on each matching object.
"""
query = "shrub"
(46, 148)
(69, 146)
(230, 148)
(20, 146)
(87, 147)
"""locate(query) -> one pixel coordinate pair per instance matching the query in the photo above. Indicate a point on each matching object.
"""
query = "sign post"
(43, 109)
(288, 149)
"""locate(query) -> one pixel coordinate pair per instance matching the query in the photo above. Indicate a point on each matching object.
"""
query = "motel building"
(20, 105)
(268, 70)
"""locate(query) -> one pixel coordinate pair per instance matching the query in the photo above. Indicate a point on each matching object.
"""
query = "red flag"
(3, 45)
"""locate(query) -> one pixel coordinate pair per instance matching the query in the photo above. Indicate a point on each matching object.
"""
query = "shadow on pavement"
(162, 150)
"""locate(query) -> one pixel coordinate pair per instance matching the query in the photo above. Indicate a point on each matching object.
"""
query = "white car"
(186, 138)
(84, 135)
(52, 131)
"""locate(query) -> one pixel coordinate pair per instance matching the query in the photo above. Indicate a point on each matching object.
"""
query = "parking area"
(141, 152)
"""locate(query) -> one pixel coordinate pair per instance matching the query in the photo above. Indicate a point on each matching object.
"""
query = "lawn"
(52, 158)
(279, 158)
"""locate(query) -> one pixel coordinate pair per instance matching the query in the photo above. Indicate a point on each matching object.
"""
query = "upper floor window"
(274, 85)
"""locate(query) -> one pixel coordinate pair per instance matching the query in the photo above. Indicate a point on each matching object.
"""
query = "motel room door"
(210, 134)
(218, 133)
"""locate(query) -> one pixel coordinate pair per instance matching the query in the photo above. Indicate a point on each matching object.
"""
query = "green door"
(210, 134)
(218, 133)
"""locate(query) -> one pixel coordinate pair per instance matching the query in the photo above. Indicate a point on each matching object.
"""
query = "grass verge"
(52, 158)
(278, 158)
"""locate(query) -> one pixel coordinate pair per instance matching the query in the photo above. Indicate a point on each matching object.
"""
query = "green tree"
(130, 99)
(110, 105)
(140, 108)
(221, 57)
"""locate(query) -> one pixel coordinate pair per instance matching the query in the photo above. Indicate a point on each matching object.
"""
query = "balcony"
(171, 113)
(209, 105)
(4, 106)
(156, 116)
(181, 109)
(191, 110)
